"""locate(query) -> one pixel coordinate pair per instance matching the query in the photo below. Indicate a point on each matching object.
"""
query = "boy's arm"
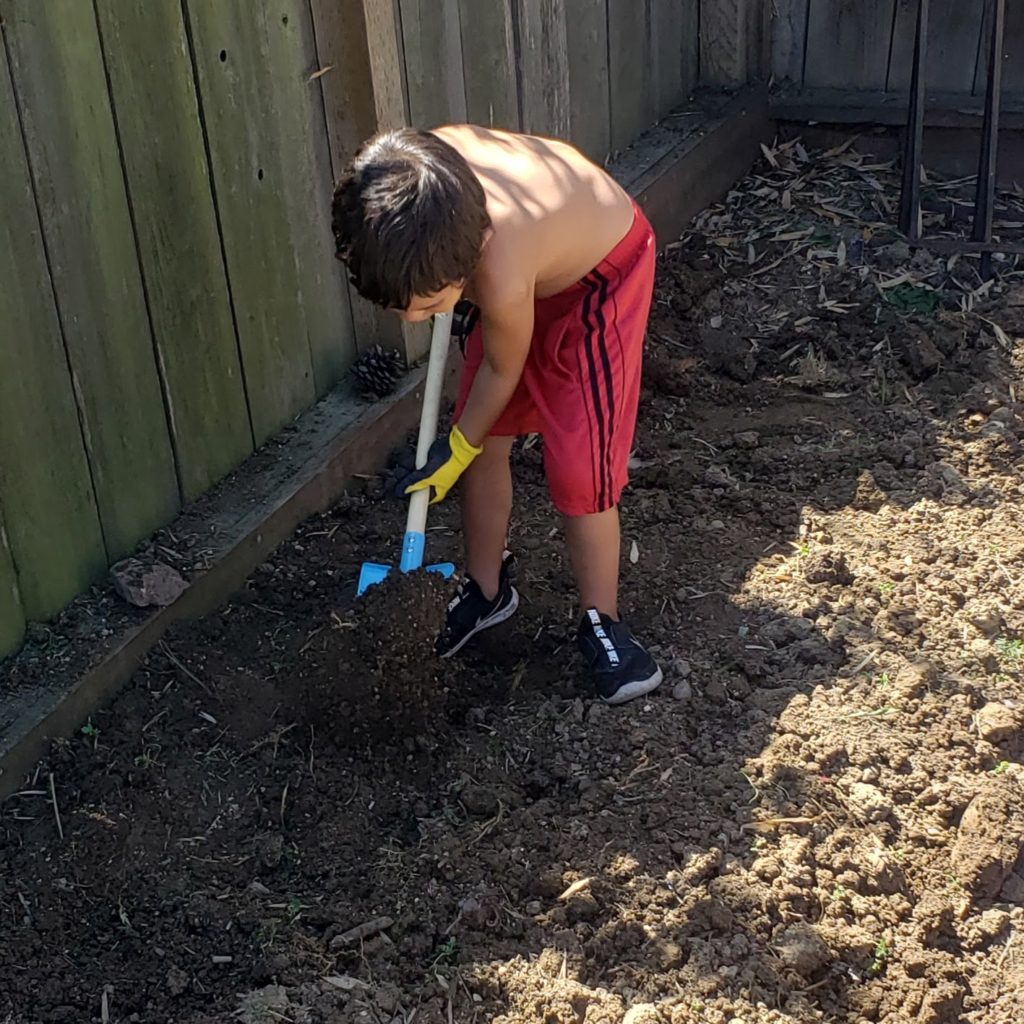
(507, 332)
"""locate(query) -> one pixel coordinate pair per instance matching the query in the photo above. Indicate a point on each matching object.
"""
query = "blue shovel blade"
(374, 572)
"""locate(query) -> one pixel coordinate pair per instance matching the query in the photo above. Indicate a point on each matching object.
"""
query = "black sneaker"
(620, 668)
(471, 613)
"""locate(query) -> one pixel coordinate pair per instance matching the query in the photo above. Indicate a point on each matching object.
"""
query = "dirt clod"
(990, 839)
(801, 948)
(1000, 724)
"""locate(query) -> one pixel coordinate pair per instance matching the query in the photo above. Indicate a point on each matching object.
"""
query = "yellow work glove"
(448, 459)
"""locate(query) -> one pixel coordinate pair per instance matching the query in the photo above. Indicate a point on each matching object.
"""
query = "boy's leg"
(589, 399)
(486, 596)
(594, 544)
(486, 508)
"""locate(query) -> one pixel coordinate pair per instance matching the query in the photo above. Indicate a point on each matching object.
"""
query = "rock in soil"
(145, 585)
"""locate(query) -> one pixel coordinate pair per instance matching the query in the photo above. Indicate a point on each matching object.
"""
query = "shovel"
(414, 542)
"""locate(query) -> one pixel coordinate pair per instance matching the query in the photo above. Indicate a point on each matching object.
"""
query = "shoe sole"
(492, 620)
(636, 689)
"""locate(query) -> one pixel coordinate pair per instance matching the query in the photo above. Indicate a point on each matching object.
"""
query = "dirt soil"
(820, 815)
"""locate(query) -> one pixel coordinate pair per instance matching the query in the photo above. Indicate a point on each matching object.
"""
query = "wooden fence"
(168, 293)
(868, 45)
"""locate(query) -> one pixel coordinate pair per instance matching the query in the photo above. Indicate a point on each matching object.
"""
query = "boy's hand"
(448, 459)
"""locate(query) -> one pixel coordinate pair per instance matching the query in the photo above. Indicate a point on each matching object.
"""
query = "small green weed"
(1002, 768)
(89, 730)
(147, 759)
(1010, 651)
(266, 934)
(886, 588)
(882, 680)
(447, 952)
(954, 885)
(839, 892)
(880, 959)
(911, 298)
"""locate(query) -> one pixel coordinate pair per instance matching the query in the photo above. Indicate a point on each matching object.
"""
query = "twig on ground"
(188, 673)
(56, 809)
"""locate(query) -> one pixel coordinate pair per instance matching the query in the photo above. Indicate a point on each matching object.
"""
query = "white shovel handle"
(417, 519)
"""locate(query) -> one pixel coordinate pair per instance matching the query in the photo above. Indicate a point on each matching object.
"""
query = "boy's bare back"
(554, 214)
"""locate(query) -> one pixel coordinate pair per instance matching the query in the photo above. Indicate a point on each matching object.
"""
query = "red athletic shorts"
(581, 383)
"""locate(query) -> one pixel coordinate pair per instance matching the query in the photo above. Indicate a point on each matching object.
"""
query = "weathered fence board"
(789, 35)
(954, 28)
(1013, 50)
(12, 619)
(543, 68)
(44, 477)
(271, 171)
(62, 93)
(631, 66)
(155, 106)
(349, 92)
(848, 42)
(676, 37)
(432, 42)
(346, 78)
(725, 41)
(589, 98)
(489, 63)
(306, 174)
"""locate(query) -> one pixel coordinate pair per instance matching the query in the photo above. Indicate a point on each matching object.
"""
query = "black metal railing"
(910, 224)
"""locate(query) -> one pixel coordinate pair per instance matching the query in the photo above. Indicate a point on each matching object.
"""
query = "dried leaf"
(842, 148)
(1001, 336)
(769, 155)
(320, 72)
(344, 982)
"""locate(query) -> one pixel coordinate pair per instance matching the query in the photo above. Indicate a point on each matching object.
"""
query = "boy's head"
(409, 219)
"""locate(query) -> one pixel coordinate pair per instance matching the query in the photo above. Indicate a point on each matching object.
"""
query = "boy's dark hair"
(409, 217)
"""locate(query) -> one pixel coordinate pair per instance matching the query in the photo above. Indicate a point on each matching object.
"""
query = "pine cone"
(377, 371)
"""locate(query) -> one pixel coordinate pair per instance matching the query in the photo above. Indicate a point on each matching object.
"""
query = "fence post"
(364, 92)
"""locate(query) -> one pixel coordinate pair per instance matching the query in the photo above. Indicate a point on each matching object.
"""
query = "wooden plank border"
(852, 106)
(705, 166)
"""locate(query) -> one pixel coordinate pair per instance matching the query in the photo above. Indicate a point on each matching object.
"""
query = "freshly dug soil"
(297, 813)
(376, 676)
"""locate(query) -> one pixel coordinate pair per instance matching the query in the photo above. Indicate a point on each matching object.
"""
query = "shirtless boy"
(551, 265)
